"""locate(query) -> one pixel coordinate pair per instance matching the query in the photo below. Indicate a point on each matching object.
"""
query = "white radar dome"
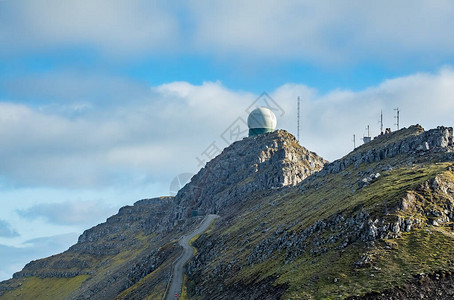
(261, 120)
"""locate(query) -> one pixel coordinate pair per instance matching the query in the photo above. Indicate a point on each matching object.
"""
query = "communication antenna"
(397, 117)
(298, 120)
(381, 122)
(354, 141)
(367, 138)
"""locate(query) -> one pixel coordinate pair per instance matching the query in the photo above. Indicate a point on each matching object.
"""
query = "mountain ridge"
(287, 223)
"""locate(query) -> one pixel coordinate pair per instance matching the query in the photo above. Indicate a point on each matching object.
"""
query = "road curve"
(188, 252)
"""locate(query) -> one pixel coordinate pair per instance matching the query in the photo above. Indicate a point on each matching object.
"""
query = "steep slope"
(107, 259)
(369, 222)
(131, 254)
(261, 163)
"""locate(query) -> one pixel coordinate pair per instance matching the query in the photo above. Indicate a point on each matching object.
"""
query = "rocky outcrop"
(432, 203)
(434, 286)
(101, 252)
(146, 216)
(408, 141)
(265, 162)
(117, 234)
(108, 287)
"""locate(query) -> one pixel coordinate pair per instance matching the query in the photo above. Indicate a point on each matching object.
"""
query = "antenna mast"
(381, 122)
(397, 117)
(298, 120)
(354, 141)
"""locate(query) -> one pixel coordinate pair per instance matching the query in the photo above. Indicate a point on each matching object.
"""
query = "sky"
(103, 103)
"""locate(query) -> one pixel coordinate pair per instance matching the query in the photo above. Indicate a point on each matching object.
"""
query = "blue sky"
(103, 103)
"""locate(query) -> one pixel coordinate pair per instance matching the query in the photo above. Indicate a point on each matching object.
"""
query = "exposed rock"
(435, 286)
(265, 162)
(368, 180)
(109, 238)
(405, 141)
(101, 252)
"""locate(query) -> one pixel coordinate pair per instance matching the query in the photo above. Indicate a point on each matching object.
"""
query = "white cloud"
(115, 27)
(330, 120)
(81, 213)
(158, 136)
(162, 132)
(319, 32)
(325, 31)
(136, 137)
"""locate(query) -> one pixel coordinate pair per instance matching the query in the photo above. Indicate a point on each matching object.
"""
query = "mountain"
(130, 255)
(375, 224)
(376, 221)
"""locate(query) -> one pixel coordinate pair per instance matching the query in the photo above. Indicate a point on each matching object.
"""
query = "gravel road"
(188, 252)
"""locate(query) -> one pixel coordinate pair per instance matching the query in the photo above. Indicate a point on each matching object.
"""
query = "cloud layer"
(320, 32)
(82, 213)
(113, 142)
(159, 133)
(13, 259)
(113, 27)
(6, 230)
(325, 31)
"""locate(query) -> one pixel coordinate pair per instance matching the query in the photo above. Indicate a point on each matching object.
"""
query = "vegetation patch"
(45, 288)
(335, 274)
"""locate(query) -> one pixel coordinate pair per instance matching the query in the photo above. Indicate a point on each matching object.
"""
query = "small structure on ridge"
(261, 120)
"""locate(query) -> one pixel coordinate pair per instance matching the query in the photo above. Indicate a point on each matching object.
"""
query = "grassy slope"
(61, 288)
(47, 288)
(333, 274)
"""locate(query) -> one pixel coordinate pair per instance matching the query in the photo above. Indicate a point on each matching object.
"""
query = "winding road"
(188, 252)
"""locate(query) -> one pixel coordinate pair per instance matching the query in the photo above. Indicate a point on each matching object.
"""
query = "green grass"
(328, 276)
(314, 277)
(336, 196)
(191, 241)
(45, 288)
(334, 274)
(184, 289)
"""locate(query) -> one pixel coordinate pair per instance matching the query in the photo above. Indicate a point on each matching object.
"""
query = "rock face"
(265, 162)
(408, 141)
(436, 286)
(113, 256)
(338, 231)
(109, 238)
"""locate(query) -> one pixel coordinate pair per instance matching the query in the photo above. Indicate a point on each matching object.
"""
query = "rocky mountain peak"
(264, 162)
